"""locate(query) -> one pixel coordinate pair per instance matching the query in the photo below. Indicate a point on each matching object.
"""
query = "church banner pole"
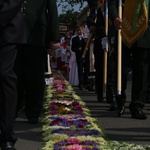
(87, 45)
(105, 52)
(119, 69)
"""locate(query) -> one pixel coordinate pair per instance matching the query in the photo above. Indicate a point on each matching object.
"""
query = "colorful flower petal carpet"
(68, 125)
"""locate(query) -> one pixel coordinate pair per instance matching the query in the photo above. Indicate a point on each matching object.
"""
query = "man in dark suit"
(42, 29)
(140, 61)
(98, 27)
(78, 45)
(99, 30)
(11, 33)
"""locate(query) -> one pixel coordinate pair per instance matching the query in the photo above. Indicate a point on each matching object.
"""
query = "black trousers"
(83, 70)
(140, 64)
(137, 59)
(148, 88)
(126, 64)
(30, 70)
(8, 93)
(112, 71)
(99, 61)
(99, 67)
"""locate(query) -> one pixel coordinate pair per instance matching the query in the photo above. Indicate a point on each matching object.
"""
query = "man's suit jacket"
(42, 25)
(144, 40)
(96, 14)
(76, 44)
(11, 22)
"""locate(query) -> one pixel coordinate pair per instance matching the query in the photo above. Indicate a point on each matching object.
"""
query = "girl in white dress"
(73, 73)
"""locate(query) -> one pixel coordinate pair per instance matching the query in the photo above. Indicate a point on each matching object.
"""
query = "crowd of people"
(28, 29)
(134, 55)
(134, 58)
(139, 50)
(69, 57)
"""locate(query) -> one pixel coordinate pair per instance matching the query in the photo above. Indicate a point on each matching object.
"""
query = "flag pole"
(87, 45)
(105, 52)
(119, 69)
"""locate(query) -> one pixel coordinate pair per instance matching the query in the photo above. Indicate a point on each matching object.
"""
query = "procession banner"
(135, 20)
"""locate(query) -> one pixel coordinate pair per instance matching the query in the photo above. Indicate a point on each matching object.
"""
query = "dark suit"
(42, 27)
(140, 56)
(11, 33)
(82, 66)
(97, 14)
(11, 22)
(98, 52)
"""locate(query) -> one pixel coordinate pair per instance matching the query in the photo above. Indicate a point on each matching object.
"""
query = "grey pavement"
(123, 128)
(29, 135)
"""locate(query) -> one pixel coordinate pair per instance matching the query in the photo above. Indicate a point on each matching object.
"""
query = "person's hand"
(82, 59)
(104, 42)
(92, 29)
(118, 23)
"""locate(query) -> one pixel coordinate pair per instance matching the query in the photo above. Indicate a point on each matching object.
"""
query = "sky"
(76, 8)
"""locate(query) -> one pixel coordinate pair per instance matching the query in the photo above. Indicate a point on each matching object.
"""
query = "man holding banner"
(135, 31)
(97, 23)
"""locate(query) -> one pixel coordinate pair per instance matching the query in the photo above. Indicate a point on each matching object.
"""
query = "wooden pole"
(119, 72)
(87, 45)
(49, 71)
(105, 52)
(88, 42)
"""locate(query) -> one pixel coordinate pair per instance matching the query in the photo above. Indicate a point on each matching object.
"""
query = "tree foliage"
(69, 15)
(68, 4)
(69, 18)
(71, 2)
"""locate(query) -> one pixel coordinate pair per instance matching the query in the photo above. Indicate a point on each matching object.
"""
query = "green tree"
(71, 2)
(69, 18)
(68, 4)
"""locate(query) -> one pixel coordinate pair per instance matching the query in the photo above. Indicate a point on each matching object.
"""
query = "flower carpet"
(68, 125)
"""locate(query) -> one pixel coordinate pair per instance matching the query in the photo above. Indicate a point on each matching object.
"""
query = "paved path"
(29, 135)
(120, 129)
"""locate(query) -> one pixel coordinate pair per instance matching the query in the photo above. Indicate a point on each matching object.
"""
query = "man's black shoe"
(90, 88)
(99, 98)
(112, 106)
(85, 86)
(82, 59)
(120, 110)
(148, 100)
(120, 101)
(80, 87)
(137, 113)
(113, 103)
(7, 146)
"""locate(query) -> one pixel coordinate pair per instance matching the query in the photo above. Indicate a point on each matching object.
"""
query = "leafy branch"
(68, 4)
